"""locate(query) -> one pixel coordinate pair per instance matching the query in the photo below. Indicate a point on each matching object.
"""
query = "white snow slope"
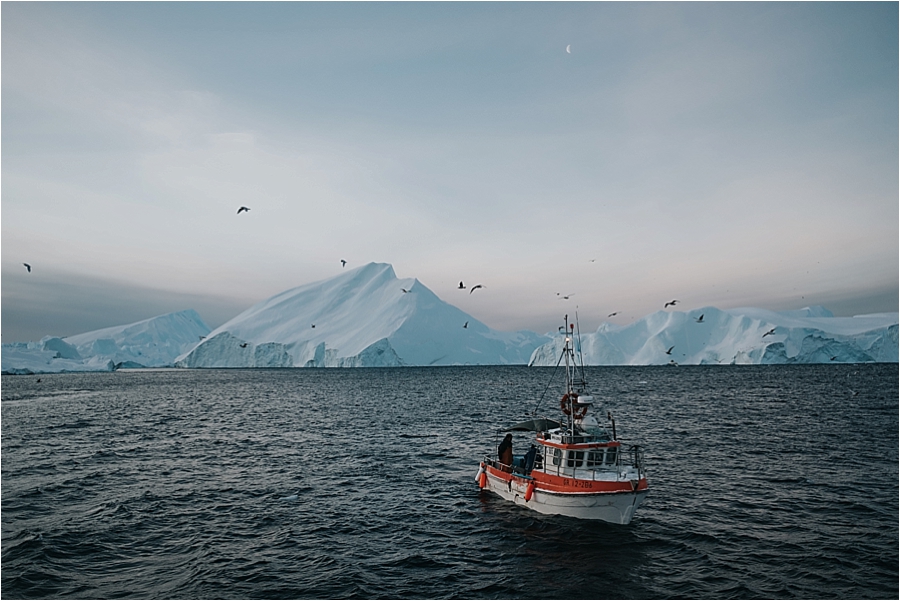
(154, 342)
(810, 335)
(361, 318)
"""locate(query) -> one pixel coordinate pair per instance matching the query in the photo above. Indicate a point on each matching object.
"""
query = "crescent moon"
(568, 48)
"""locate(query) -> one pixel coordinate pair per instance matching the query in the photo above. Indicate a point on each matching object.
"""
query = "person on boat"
(529, 459)
(505, 453)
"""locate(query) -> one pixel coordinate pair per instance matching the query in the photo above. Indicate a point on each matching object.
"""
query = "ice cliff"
(746, 335)
(366, 317)
(154, 342)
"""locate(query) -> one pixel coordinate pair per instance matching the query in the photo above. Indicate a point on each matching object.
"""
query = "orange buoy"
(482, 480)
(529, 491)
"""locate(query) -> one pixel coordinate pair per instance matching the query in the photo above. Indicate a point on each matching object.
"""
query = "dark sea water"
(766, 482)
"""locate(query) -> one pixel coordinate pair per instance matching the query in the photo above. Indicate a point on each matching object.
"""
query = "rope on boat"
(550, 381)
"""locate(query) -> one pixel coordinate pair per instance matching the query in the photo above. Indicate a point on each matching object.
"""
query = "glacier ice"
(154, 342)
(361, 318)
(736, 336)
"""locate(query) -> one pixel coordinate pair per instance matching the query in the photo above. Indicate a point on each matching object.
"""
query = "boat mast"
(569, 377)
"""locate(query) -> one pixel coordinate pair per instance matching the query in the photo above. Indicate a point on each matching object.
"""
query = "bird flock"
(462, 286)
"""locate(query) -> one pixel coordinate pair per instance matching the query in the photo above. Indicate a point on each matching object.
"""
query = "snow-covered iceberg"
(745, 335)
(366, 317)
(154, 342)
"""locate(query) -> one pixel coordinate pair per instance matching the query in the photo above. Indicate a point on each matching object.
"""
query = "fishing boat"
(576, 466)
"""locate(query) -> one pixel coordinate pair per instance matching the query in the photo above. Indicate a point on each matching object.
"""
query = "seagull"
(313, 325)
(343, 263)
(202, 337)
(27, 266)
(770, 332)
(613, 314)
(699, 319)
(404, 290)
(669, 352)
(244, 345)
(466, 325)
(461, 286)
(833, 358)
(670, 303)
(242, 209)
(475, 287)
(566, 297)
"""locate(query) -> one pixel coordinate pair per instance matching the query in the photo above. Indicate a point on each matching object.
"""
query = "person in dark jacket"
(505, 453)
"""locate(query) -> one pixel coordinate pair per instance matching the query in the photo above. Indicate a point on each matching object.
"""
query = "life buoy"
(529, 491)
(482, 480)
(570, 408)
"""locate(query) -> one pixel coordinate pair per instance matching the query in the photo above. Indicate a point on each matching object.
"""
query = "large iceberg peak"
(363, 317)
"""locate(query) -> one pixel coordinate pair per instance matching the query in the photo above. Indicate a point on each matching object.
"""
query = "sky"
(721, 154)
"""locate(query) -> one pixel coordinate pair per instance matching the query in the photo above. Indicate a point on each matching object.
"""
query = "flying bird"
(313, 325)
(669, 352)
(564, 297)
(670, 303)
(769, 333)
(243, 209)
(343, 263)
(461, 286)
(244, 345)
(699, 319)
(613, 314)
(27, 266)
(202, 337)
(466, 325)
(475, 287)
(404, 290)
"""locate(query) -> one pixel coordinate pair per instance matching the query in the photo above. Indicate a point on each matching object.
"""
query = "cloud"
(61, 304)
(694, 148)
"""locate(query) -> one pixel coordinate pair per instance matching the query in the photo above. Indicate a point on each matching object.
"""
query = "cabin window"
(557, 456)
(595, 458)
(575, 459)
(611, 453)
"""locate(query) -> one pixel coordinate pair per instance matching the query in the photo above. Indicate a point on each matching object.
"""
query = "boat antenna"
(580, 355)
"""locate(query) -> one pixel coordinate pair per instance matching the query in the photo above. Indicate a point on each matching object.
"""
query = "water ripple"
(767, 482)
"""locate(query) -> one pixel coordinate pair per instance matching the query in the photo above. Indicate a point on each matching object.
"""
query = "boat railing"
(516, 468)
(625, 456)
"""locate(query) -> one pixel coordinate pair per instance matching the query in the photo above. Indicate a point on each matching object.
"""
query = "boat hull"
(616, 507)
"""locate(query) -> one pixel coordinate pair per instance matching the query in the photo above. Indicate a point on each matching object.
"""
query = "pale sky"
(721, 154)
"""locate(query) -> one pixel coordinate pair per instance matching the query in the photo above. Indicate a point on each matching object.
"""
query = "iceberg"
(154, 342)
(366, 317)
(736, 336)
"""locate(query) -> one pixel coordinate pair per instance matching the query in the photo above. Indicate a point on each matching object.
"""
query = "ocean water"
(766, 482)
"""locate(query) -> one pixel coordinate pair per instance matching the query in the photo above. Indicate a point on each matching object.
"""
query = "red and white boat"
(575, 466)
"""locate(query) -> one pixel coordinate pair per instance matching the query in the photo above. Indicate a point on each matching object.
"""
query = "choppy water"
(766, 481)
